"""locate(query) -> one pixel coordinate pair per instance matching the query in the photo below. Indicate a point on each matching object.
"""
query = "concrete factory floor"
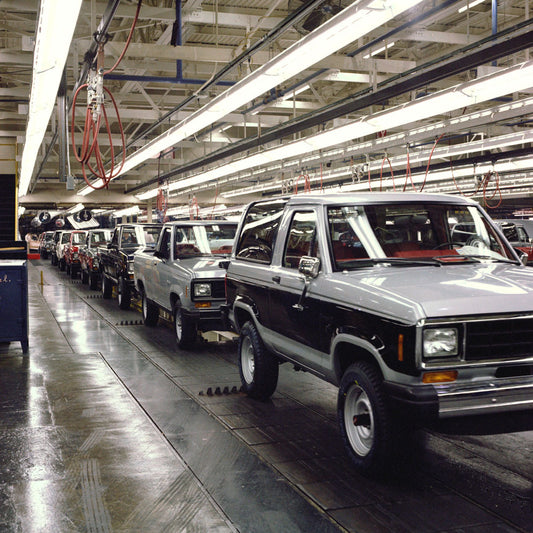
(107, 426)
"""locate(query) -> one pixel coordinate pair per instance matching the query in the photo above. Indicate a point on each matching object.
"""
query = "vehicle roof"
(200, 223)
(141, 224)
(377, 198)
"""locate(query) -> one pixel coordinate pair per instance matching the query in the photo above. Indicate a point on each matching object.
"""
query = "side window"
(259, 231)
(301, 240)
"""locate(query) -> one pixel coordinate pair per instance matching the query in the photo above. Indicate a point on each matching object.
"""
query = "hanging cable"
(429, 161)
(497, 190)
(408, 174)
(457, 185)
(90, 147)
(391, 174)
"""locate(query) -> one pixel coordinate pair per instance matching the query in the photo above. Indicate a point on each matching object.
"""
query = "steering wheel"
(476, 242)
(348, 239)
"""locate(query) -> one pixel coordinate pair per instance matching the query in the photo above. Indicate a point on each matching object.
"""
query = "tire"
(62, 265)
(258, 368)
(67, 268)
(150, 311)
(73, 272)
(365, 421)
(53, 260)
(84, 275)
(93, 281)
(184, 328)
(123, 294)
(107, 288)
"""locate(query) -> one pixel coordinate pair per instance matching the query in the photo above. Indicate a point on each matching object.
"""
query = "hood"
(201, 267)
(413, 293)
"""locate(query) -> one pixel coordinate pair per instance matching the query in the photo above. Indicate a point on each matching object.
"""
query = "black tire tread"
(266, 372)
(382, 453)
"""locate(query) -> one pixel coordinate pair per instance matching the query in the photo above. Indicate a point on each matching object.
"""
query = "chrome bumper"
(495, 396)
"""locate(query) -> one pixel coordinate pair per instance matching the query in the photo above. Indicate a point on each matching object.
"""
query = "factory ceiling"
(216, 102)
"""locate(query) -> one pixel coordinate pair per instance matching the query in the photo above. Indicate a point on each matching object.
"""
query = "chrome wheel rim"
(359, 420)
(178, 325)
(247, 360)
(145, 307)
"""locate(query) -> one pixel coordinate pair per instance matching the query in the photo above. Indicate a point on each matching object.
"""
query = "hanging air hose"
(307, 183)
(497, 190)
(391, 174)
(90, 147)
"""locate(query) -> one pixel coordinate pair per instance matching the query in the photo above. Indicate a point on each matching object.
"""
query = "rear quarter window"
(259, 231)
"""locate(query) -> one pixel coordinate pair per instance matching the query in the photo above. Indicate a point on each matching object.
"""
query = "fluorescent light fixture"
(75, 209)
(379, 50)
(57, 21)
(344, 28)
(129, 211)
(470, 5)
(512, 79)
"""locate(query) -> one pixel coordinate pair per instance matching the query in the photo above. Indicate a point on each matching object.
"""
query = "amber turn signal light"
(439, 377)
(202, 304)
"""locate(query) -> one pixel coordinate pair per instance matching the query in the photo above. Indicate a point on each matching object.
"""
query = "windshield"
(205, 239)
(100, 236)
(442, 233)
(78, 238)
(150, 235)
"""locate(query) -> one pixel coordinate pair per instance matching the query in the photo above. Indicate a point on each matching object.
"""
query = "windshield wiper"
(461, 259)
(394, 261)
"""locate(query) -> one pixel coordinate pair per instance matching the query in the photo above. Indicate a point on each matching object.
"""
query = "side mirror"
(224, 264)
(309, 266)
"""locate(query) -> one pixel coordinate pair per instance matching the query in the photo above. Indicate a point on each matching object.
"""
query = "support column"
(149, 210)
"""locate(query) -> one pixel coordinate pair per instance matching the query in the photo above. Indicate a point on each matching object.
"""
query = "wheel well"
(140, 286)
(346, 354)
(174, 298)
(241, 317)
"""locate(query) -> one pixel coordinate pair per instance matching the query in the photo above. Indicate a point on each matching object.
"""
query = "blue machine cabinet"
(14, 301)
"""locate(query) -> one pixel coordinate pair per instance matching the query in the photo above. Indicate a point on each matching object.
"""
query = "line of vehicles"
(173, 267)
(416, 306)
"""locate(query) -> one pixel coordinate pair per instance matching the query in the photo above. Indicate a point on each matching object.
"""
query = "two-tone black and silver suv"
(414, 305)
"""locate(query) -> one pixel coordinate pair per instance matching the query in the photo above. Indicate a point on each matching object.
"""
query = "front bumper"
(498, 395)
(206, 319)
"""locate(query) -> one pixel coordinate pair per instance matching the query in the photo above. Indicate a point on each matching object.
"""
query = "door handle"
(276, 279)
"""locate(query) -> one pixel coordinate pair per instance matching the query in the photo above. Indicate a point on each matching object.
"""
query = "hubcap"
(247, 360)
(178, 325)
(359, 420)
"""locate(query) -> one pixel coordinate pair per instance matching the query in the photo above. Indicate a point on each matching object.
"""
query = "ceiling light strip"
(515, 79)
(57, 21)
(350, 24)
